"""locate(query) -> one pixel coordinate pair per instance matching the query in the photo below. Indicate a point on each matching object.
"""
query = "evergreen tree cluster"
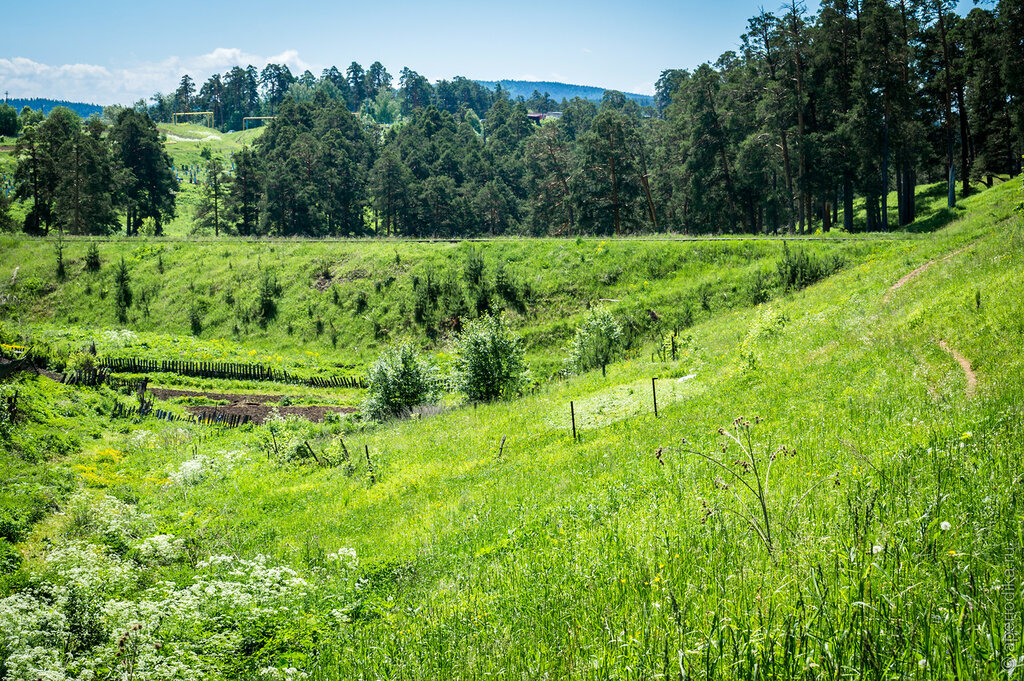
(862, 99)
(78, 178)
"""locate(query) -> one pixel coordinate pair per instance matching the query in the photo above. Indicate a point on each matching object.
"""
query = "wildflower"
(945, 525)
(876, 549)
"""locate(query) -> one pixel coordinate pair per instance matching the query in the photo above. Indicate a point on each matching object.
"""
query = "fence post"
(572, 412)
(654, 393)
(369, 464)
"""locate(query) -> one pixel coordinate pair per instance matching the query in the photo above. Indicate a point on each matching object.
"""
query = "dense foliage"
(489, 362)
(398, 381)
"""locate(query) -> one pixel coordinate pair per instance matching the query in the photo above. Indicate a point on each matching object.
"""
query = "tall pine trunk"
(847, 202)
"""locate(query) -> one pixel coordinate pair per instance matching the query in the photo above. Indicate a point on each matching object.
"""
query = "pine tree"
(210, 209)
(149, 181)
(242, 199)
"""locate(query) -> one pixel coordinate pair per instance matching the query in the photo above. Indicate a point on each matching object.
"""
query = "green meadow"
(826, 490)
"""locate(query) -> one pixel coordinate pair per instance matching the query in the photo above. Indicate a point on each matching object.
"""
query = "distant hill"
(559, 90)
(48, 105)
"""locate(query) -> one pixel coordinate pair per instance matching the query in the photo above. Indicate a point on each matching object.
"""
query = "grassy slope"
(340, 303)
(592, 559)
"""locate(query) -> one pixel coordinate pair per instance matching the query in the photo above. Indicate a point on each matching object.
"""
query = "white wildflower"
(345, 558)
(160, 549)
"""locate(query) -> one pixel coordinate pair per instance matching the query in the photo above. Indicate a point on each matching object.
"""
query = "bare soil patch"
(234, 398)
(257, 407)
(259, 413)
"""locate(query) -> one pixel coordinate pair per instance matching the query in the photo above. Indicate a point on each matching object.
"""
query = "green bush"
(92, 258)
(399, 380)
(13, 525)
(597, 342)
(799, 268)
(266, 300)
(490, 362)
(195, 317)
(508, 287)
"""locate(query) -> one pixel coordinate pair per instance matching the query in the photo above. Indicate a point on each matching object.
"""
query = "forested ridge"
(813, 111)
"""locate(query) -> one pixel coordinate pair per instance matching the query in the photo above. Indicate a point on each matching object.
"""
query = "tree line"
(373, 93)
(862, 99)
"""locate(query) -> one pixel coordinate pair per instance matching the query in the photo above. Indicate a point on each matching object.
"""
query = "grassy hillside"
(187, 144)
(345, 301)
(640, 550)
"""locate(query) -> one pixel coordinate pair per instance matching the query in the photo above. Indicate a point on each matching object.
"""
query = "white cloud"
(24, 78)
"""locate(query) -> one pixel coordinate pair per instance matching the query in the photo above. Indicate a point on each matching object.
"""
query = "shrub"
(506, 286)
(266, 300)
(362, 302)
(13, 525)
(399, 380)
(799, 268)
(474, 270)
(8, 396)
(489, 361)
(81, 361)
(597, 342)
(58, 250)
(92, 258)
(195, 317)
(10, 559)
(759, 287)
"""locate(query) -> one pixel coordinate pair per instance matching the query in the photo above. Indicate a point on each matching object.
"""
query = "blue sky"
(117, 51)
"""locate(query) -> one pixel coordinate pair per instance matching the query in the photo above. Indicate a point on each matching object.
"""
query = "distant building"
(538, 117)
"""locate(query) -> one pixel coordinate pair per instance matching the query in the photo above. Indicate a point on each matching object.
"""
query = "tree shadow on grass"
(934, 222)
(931, 210)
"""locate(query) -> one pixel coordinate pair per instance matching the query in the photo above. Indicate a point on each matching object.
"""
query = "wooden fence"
(90, 377)
(209, 418)
(9, 406)
(232, 370)
(10, 368)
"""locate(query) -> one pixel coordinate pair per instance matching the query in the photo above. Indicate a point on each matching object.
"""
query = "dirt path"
(965, 364)
(914, 274)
